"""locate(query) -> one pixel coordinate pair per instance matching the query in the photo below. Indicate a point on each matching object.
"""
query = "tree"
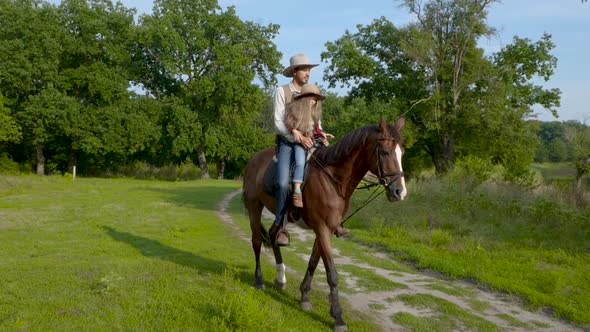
(29, 59)
(460, 101)
(94, 72)
(444, 43)
(518, 66)
(426, 66)
(208, 59)
(62, 68)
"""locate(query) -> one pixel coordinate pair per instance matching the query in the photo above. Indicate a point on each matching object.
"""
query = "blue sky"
(307, 25)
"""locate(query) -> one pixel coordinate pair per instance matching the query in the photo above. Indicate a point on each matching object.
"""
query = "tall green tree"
(444, 43)
(61, 67)
(518, 67)
(460, 101)
(29, 64)
(94, 72)
(208, 58)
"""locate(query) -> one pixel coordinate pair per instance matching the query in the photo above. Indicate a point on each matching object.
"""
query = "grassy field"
(122, 254)
(534, 244)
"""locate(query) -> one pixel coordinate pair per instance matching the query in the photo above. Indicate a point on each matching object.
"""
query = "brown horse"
(333, 174)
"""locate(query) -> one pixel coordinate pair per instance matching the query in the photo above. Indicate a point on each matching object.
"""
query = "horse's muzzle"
(394, 192)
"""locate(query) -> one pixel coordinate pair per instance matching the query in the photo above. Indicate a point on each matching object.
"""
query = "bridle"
(382, 177)
(385, 178)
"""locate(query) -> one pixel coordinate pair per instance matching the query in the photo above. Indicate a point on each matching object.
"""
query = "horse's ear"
(383, 125)
(399, 124)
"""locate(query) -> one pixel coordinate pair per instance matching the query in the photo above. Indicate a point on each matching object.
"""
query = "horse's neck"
(351, 172)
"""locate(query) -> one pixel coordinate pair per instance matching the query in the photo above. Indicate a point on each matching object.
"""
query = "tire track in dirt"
(505, 311)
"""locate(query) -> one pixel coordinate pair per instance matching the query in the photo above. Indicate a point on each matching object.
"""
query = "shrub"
(469, 172)
(7, 165)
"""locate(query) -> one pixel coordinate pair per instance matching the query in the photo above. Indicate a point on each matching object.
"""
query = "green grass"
(452, 290)
(104, 254)
(502, 237)
(448, 316)
(122, 254)
(515, 322)
(368, 281)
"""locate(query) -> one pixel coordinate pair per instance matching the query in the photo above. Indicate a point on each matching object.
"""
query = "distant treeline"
(555, 141)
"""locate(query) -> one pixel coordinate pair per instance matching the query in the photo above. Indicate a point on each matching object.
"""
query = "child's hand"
(326, 135)
(325, 138)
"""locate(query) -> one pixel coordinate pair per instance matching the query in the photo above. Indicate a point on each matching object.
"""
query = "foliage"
(207, 58)
(141, 170)
(84, 84)
(552, 146)
(7, 165)
(579, 138)
(472, 169)
(460, 102)
(9, 128)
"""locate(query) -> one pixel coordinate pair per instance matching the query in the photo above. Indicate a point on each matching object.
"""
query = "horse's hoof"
(340, 328)
(280, 285)
(305, 306)
(259, 285)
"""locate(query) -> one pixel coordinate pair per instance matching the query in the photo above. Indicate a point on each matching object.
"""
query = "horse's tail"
(263, 232)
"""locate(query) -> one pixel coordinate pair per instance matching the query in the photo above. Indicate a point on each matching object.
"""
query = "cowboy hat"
(310, 90)
(298, 60)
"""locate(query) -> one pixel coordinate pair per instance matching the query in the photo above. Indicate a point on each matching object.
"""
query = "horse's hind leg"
(305, 287)
(255, 214)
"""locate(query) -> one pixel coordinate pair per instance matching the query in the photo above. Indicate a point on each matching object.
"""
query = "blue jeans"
(286, 154)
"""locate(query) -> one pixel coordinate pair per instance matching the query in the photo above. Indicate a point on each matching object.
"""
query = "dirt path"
(502, 310)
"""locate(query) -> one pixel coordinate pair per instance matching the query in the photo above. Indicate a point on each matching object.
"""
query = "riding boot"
(298, 200)
(279, 235)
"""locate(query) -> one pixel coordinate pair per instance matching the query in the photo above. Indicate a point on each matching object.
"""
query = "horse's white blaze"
(398, 154)
(281, 273)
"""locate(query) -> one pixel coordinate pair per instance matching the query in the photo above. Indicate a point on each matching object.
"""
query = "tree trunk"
(443, 154)
(220, 168)
(202, 162)
(40, 159)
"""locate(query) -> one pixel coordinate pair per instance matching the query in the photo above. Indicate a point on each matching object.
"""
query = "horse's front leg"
(281, 279)
(305, 287)
(255, 212)
(325, 243)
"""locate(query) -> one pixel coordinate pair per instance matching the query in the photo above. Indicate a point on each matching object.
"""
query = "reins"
(367, 201)
(382, 177)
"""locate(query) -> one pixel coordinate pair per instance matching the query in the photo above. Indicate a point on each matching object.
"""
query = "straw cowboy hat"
(310, 90)
(298, 60)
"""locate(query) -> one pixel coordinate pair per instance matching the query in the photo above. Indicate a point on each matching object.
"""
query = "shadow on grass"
(153, 248)
(285, 297)
(156, 249)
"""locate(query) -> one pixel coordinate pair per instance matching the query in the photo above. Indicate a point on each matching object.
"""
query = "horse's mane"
(351, 141)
